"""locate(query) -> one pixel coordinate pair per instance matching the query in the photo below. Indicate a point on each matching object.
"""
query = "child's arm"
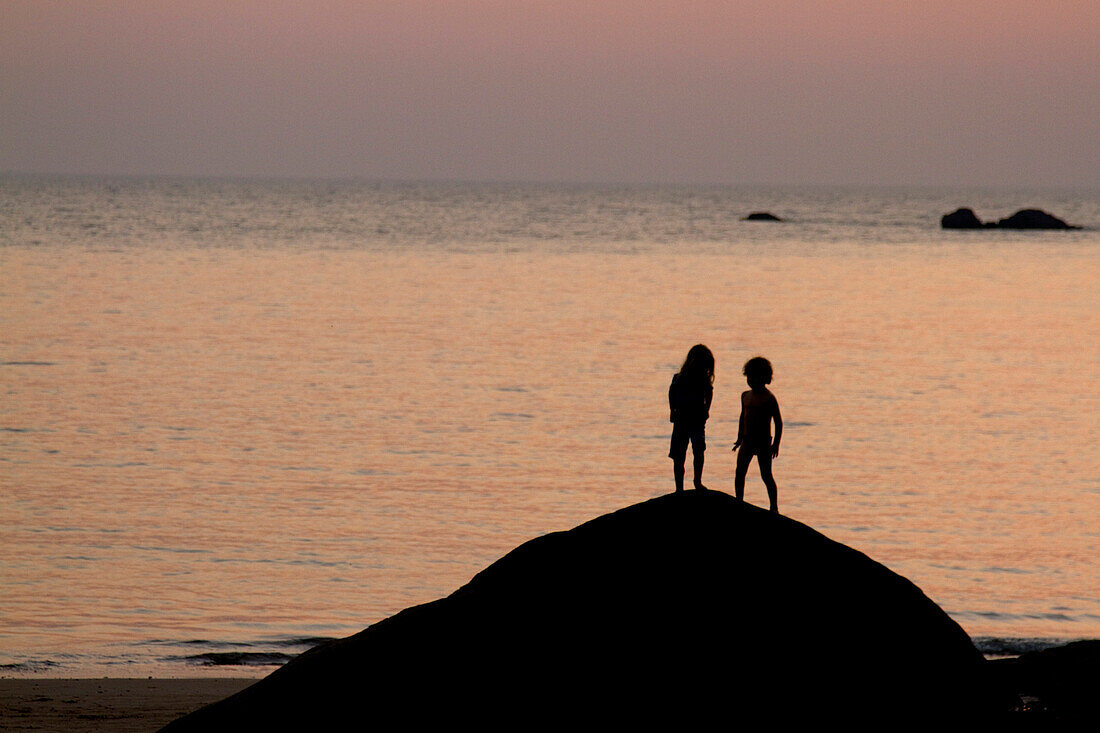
(740, 425)
(778, 428)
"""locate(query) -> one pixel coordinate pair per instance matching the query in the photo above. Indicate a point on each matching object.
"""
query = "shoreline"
(117, 704)
(1054, 687)
(222, 665)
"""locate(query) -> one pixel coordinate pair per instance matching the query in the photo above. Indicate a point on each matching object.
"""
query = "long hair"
(698, 366)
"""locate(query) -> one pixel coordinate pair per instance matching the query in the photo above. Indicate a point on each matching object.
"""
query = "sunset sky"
(936, 92)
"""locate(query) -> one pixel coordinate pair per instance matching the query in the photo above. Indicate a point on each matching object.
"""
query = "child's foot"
(699, 485)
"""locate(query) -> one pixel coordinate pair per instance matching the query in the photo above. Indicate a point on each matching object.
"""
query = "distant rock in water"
(687, 609)
(1033, 219)
(961, 219)
(1022, 219)
(761, 216)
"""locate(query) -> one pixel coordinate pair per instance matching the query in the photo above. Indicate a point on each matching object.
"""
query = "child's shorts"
(677, 451)
(760, 447)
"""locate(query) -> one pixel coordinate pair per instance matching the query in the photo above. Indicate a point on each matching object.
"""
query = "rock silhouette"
(1033, 219)
(961, 219)
(1022, 219)
(1062, 681)
(688, 609)
(761, 216)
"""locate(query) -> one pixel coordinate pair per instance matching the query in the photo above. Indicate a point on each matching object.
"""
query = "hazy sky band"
(986, 92)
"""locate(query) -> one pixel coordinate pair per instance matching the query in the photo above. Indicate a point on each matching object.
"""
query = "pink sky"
(984, 92)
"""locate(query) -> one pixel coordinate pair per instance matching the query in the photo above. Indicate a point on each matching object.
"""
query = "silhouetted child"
(754, 434)
(689, 398)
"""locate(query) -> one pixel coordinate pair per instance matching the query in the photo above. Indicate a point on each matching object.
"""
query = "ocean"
(241, 417)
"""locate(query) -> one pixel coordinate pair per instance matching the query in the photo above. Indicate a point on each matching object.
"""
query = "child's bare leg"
(764, 460)
(697, 464)
(678, 474)
(743, 458)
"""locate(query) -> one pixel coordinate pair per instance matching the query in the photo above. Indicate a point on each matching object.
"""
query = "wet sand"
(84, 705)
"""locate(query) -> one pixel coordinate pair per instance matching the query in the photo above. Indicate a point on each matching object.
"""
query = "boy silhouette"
(754, 436)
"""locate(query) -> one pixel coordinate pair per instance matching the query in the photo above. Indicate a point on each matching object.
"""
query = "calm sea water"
(242, 416)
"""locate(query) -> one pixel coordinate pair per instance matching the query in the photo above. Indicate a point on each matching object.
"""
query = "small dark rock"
(761, 216)
(1022, 219)
(1060, 683)
(1033, 219)
(961, 219)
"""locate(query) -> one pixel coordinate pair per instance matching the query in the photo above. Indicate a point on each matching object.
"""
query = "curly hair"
(758, 370)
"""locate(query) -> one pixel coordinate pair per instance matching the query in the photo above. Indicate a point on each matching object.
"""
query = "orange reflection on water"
(217, 443)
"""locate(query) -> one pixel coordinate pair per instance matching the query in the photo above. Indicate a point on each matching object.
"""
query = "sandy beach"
(121, 705)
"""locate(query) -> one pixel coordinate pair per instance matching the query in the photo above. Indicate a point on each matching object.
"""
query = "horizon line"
(549, 182)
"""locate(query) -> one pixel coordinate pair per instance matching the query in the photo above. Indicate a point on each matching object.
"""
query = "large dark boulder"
(961, 219)
(1033, 219)
(686, 609)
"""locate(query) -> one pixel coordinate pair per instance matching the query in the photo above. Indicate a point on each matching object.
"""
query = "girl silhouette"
(689, 398)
